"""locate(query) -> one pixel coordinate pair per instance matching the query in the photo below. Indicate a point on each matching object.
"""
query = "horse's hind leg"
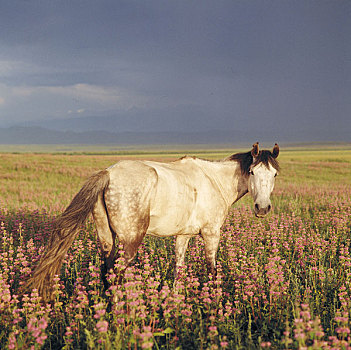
(127, 201)
(106, 238)
(130, 232)
(130, 237)
(131, 243)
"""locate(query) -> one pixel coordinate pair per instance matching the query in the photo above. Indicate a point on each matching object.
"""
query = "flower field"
(284, 282)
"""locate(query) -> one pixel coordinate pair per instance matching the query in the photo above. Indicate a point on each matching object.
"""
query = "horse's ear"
(255, 151)
(275, 152)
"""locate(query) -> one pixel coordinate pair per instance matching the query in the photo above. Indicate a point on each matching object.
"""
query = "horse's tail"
(65, 230)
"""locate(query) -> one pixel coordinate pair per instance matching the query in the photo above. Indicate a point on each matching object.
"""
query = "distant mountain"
(177, 119)
(132, 127)
(39, 135)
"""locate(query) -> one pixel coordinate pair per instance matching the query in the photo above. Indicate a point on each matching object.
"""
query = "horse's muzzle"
(261, 212)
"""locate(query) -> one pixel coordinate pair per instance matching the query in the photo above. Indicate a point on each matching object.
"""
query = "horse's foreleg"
(211, 241)
(180, 250)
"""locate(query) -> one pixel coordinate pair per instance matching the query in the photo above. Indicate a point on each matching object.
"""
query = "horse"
(183, 198)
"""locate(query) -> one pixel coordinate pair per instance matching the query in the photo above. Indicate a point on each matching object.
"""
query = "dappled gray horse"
(184, 198)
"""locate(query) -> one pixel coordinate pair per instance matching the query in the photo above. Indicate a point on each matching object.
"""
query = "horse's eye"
(251, 172)
(276, 174)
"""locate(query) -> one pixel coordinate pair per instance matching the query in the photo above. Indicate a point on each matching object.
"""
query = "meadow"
(284, 282)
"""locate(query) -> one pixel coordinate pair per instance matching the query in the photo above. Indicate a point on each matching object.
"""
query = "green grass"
(51, 180)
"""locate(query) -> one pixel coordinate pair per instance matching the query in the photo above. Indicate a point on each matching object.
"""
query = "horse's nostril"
(257, 207)
(269, 207)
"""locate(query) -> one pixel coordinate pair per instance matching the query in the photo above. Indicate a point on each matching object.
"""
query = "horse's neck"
(227, 176)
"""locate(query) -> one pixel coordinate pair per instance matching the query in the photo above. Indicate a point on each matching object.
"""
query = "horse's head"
(263, 170)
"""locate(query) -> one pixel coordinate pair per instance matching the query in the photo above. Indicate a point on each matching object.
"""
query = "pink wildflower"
(102, 326)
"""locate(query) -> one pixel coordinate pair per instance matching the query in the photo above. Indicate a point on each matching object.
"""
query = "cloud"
(9, 68)
(78, 111)
(6, 67)
(15, 68)
(109, 97)
(233, 64)
(53, 102)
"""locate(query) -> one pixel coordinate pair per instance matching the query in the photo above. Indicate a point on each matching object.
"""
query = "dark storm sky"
(281, 67)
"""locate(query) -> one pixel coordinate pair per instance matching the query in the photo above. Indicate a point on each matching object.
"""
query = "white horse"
(184, 198)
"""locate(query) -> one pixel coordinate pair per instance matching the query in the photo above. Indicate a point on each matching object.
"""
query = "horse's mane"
(245, 160)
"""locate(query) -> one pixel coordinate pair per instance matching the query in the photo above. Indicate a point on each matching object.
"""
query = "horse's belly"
(165, 226)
